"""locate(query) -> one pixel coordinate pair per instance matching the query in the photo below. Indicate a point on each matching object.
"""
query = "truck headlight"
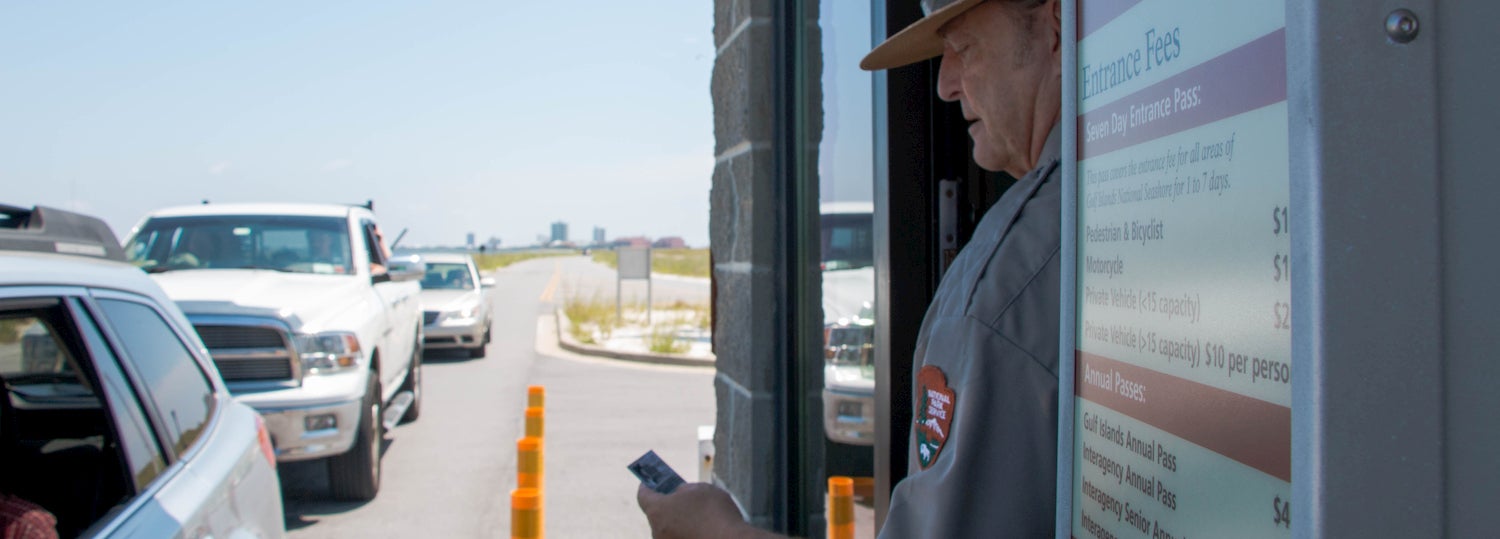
(328, 352)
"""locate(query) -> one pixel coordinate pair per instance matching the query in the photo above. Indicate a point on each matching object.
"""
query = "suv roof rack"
(51, 230)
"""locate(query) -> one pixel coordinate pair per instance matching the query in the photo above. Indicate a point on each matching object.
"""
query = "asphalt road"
(450, 473)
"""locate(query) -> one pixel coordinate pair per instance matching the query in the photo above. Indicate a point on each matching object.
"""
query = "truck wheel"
(355, 475)
(413, 384)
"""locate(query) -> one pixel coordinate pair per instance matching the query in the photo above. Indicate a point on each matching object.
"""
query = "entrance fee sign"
(1183, 358)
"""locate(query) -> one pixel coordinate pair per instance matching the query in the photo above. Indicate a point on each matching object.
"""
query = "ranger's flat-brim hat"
(920, 41)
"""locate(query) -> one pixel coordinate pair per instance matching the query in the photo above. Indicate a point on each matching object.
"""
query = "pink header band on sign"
(1247, 430)
(1241, 80)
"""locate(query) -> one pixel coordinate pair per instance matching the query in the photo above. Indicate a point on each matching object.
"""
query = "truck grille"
(255, 369)
(246, 353)
(217, 337)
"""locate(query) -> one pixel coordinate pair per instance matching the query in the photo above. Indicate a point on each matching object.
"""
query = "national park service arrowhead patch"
(934, 415)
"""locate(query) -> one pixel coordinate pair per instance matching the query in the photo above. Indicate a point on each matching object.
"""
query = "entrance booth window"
(846, 240)
(862, 158)
(929, 197)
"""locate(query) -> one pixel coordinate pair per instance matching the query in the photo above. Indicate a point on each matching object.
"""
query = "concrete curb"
(567, 342)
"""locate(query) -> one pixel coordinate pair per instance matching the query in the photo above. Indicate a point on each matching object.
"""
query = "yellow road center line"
(552, 283)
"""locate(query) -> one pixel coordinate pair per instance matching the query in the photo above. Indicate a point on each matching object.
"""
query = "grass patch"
(590, 320)
(593, 319)
(688, 262)
(662, 339)
(607, 258)
(491, 261)
(685, 262)
(698, 314)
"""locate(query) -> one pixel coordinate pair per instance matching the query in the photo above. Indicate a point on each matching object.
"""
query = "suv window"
(170, 375)
(138, 438)
(59, 447)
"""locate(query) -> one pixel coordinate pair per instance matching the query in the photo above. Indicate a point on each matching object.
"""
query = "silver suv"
(113, 421)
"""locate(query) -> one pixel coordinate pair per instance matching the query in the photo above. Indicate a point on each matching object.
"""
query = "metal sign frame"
(1241, 78)
(632, 263)
(1391, 132)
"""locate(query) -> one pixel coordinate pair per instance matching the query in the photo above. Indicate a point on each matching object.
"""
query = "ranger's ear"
(1054, 23)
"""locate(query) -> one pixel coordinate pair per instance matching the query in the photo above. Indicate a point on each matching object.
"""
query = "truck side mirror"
(406, 268)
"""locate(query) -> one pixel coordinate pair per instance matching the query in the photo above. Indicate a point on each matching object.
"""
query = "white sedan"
(454, 307)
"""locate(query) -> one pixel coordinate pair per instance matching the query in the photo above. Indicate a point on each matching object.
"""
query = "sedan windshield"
(280, 243)
(441, 276)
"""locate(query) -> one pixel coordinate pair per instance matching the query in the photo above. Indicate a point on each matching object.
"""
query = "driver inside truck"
(323, 248)
(196, 249)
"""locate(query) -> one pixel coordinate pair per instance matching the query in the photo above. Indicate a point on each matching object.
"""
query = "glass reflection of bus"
(848, 337)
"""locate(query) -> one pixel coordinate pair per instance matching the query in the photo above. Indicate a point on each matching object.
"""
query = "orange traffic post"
(534, 422)
(536, 396)
(840, 507)
(525, 514)
(529, 463)
(529, 472)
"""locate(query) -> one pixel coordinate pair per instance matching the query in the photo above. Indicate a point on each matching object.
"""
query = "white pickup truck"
(307, 318)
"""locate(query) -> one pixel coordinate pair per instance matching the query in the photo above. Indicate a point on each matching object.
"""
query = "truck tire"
(355, 475)
(413, 384)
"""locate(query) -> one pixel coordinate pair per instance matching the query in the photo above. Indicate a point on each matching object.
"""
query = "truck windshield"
(296, 244)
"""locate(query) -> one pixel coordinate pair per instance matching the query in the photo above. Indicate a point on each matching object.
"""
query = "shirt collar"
(1052, 149)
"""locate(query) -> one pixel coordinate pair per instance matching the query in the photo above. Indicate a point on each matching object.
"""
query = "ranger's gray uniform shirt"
(992, 330)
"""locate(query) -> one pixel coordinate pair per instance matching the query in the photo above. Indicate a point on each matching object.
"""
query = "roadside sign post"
(632, 263)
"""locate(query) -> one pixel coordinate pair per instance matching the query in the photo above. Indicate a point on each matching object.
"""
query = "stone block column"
(742, 228)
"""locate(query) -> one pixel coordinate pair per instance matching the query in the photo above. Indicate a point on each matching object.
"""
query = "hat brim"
(917, 42)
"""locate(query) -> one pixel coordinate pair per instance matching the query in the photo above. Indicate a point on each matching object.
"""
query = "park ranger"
(984, 435)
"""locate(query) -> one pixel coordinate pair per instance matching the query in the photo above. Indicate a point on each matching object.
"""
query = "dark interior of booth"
(920, 141)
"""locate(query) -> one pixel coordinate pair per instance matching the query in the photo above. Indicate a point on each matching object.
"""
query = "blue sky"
(493, 117)
(845, 169)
